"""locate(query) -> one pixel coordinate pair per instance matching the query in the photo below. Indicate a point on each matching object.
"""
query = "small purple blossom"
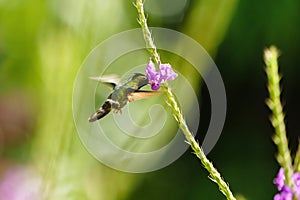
(279, 180)
(166, 72)
(285, 192)
(156, 78)
(296, 179)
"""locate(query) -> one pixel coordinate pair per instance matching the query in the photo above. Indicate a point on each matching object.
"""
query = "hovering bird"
(122, 93)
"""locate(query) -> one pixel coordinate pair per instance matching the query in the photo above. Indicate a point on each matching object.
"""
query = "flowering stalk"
(214, 174)
(277, 118)
(297, 160)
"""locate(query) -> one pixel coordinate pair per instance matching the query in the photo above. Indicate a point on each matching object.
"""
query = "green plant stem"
(277, 118)
(213, 173)
(146, 32)
(297, 160)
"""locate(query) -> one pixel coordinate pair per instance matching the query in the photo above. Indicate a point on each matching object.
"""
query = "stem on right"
(297, 159)
(277, 118)
(214, 175)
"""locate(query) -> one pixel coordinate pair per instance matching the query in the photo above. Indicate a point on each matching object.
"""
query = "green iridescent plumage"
(122, 94)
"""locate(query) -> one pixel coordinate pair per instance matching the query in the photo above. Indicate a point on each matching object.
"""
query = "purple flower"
(296, 179)
(166, 72)
(157, 78)
(280, 178)
(285, 194)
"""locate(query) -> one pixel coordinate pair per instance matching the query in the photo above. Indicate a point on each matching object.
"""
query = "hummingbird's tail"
(104, 110)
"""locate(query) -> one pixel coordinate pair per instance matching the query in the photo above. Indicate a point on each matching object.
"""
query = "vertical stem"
(146, 32)
(213, 172)
(214, 175)
(277, 118)
(297, 160)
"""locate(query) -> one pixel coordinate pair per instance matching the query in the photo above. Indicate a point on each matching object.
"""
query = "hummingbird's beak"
(150, 82)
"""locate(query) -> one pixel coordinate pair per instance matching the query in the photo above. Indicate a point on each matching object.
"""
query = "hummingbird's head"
(140, 79)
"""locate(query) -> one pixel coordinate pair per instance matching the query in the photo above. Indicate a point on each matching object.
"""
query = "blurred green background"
(43, 43)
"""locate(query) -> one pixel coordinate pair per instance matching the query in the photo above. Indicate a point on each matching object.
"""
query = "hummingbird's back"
(118, 98)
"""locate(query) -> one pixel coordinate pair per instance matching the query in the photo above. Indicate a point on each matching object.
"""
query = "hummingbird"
(122, 93)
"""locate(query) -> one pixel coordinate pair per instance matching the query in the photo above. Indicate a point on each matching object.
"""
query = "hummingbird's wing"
(112, 80)
(142, 94)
